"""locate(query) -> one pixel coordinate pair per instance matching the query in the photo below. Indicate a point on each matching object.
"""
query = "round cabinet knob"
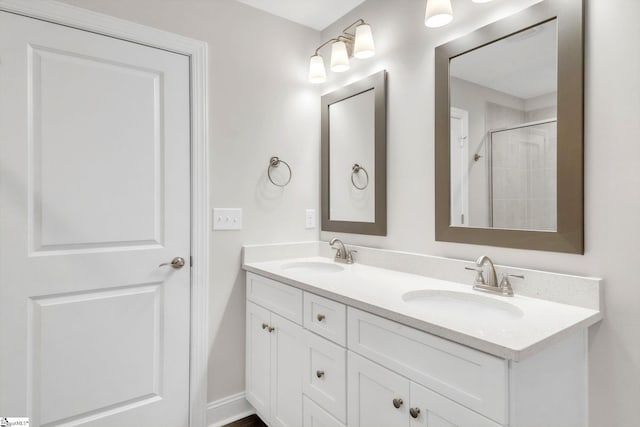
(321, 317)
(397, 403)
(271, 329)
(415, 412)
(320, 374)
(265, 326)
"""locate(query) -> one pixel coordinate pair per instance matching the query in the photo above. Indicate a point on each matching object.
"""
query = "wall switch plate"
(227, 219)
(310, 218)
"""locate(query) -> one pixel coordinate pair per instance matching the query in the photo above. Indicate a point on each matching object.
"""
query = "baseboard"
(228, 409)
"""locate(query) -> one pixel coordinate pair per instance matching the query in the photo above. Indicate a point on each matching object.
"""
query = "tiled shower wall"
(524, 178)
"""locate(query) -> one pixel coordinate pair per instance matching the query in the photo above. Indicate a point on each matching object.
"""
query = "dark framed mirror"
(509, 132)
(354, 157)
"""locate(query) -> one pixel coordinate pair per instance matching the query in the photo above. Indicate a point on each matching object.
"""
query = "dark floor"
(251, 421)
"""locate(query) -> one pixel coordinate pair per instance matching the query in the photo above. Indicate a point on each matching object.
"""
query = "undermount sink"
(312, 267)
(451, 303)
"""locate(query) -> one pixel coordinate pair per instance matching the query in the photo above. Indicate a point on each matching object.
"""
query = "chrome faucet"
(492, 279)
(491, 285)
(343, 254)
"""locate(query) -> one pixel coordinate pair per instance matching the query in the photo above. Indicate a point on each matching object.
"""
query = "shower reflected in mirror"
(503, 132)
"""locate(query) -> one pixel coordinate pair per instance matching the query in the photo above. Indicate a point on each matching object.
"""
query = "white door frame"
(463, 115)
(71, 16)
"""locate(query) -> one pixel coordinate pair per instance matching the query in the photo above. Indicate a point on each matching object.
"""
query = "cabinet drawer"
(315, 416)
(277, 297)
(324, 378)
(326, 317)
(474, 379)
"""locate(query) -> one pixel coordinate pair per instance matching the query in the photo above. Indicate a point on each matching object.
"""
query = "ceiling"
(316, 14)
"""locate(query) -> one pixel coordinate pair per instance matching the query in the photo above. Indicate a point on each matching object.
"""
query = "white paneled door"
(94, 195)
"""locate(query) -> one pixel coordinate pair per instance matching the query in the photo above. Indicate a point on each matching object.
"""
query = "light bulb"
(317, 73)
(339, 57)
(438, 13)
(363, 46)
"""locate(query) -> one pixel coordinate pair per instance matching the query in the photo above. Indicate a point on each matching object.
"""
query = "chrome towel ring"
(356, 169)
(274, 162)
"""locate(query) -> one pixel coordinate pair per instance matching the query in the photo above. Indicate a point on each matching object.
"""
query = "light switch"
(310, 218)
(227, 219)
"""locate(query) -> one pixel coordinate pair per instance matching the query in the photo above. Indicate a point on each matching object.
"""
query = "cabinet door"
(258, 358)
(438, 411)
(374, 393)
(286, 373)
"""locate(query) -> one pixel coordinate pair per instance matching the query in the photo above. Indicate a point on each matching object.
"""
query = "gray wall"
(612, 181)
(260, 105)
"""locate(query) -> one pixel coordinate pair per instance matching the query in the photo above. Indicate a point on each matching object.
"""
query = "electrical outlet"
(227, 219)
(310, 218)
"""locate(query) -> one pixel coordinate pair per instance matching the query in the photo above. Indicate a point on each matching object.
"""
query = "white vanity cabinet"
(327, 364)
(274, 352)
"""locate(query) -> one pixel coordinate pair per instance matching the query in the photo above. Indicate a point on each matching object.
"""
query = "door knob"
(177, 263)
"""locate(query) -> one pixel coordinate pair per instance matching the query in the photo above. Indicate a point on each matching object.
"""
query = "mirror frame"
(377, 82)
(569, 236)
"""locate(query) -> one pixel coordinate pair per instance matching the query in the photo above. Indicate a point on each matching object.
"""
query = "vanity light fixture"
(356, 40)
(317, 73)
(439, 12)
(363, 46)
(339, 57)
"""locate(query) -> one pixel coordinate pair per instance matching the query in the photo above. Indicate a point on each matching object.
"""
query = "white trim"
(61, 13)
(463, 115)
(228, 409)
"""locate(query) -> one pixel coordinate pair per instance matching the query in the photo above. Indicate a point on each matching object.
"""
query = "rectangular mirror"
(509, 132)
(354, 157)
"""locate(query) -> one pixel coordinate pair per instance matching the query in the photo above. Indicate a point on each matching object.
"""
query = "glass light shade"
(339, 57)
(317, 73)
(438, 13)
(363, 46)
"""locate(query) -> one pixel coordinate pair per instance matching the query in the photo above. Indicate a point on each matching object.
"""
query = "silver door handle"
(177, 263)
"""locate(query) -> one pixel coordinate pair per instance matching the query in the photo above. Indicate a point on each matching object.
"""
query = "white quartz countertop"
(527, 326)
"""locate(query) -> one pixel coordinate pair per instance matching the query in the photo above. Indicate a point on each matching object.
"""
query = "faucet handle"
(479, 280)
(338, 250)
(350, 253)
(505, 284)
(505, 278)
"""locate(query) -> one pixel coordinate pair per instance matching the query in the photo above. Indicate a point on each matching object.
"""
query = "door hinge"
(190, 261)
